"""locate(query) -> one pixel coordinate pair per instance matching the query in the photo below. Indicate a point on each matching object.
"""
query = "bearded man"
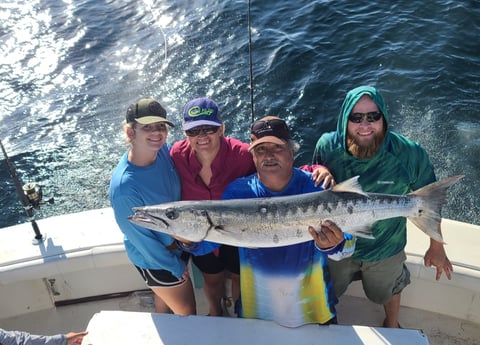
(386, 162)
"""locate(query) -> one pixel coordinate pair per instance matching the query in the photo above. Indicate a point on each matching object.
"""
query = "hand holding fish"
(436, 256)
(328, 236)
(184, 243)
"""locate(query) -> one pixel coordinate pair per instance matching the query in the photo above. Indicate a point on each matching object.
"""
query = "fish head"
(181, 222)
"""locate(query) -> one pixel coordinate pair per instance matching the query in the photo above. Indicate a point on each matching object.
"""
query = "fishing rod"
(30, 196)
(250, 60)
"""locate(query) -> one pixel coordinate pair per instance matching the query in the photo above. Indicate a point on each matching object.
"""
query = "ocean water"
(69, 69)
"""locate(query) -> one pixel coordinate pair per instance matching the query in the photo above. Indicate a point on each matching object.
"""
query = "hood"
(350, 100)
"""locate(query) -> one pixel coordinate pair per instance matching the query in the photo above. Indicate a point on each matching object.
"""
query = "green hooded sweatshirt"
(400, 166)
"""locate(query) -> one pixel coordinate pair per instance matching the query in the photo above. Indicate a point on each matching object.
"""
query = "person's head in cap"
(147, 111)
(148, 117)
(201, 113)
(270, 129)
(272, 147)
(203, 125)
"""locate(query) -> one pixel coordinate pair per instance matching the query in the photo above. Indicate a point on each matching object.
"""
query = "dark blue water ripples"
(69, 70)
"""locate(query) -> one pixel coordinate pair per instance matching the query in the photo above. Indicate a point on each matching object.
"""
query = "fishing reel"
(34, 194)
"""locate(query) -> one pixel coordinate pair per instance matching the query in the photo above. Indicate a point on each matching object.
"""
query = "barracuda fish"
(280, 221)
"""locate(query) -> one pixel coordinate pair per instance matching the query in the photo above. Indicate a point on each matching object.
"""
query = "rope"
(250, 61)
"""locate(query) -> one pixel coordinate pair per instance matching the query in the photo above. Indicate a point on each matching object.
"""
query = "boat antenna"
(30, 196)
(250, 60)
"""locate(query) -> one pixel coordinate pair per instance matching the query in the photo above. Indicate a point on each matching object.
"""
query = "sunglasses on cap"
(372, 116)
(204, 130)
(275, 127)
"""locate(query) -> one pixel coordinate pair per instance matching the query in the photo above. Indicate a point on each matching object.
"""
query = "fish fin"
(362, 231)
(350, 186)
(434, 196)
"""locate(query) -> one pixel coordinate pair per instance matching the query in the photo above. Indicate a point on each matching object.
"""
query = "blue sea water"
(69, 69)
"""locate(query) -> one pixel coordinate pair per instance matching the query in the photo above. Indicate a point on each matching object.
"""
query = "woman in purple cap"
(207, 162)
(144, 176)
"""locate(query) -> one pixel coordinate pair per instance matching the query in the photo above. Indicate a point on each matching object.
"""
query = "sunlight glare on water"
(70, 68)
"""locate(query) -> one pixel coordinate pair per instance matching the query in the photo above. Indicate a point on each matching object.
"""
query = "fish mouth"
(148, 221)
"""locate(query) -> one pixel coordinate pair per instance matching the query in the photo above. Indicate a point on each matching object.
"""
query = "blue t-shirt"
(290, 284)
(133, 186)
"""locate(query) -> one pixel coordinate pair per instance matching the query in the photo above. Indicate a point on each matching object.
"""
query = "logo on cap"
(198, 111)
(156, 109)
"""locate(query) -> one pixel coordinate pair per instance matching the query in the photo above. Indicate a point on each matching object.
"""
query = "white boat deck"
(74, 265)
(439, 329)
(163, 329)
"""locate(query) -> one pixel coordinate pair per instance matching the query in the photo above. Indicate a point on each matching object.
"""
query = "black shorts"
(161, 278)
(225, 258)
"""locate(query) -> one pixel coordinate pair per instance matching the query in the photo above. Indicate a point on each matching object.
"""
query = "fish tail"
(434, 197)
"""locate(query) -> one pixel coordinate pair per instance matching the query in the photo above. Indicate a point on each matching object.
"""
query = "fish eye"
(171, 213)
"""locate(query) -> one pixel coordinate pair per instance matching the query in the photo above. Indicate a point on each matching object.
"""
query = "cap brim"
(147, 120)
(192, 124)
(267, 139)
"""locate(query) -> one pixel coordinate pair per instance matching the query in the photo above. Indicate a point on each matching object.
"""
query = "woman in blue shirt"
(144, 176)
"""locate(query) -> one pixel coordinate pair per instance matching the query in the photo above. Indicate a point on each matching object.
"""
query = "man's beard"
(365, 151)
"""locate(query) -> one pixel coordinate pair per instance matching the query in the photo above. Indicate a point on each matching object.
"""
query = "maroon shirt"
(232, 161)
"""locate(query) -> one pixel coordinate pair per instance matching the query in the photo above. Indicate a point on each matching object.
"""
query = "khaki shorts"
(380, 279)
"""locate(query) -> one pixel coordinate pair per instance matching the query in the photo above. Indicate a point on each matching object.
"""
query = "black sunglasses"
(205, 130)
(372, 116)
(263, 128)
